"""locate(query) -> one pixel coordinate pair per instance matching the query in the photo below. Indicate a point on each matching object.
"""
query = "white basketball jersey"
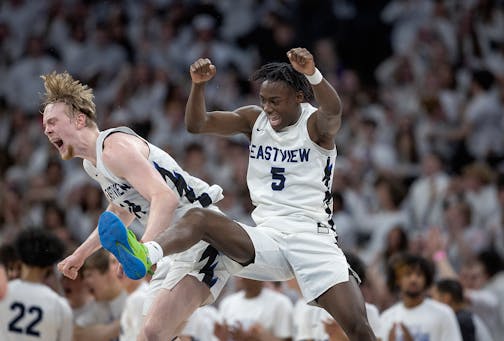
(33, 311)
(192, 191)
(289, 175)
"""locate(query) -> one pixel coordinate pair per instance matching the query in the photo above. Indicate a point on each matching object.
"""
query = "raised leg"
(122, 243)
(197, 224)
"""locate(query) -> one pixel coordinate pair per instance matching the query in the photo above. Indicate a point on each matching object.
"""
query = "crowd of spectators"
(420, 164)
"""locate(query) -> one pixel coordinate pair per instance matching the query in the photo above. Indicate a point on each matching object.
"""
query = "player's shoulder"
(119, 138)
(121, 145)
(249, 109)
(249, 112)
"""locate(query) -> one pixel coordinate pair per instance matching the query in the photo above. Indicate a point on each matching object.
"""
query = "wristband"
(316, 78)
(439, 256)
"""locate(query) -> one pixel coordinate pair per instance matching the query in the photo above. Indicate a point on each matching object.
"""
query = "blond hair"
(62, 88)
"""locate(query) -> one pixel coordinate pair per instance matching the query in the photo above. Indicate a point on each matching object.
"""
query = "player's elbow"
(170, 199)
(334, 108)
(193, 128)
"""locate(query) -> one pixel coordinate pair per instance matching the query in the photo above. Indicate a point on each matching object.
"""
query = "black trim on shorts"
(354, 275)
(208, 269)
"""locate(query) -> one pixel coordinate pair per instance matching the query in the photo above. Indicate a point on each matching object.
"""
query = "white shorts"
(201, 261)
(313, 258)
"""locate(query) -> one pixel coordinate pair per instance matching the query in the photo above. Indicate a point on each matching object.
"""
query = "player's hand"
(301, 60)
(70, 266)
(202, 70)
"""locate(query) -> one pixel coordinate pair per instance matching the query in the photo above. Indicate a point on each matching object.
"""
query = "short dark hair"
(284, 72)
(8, 255)
(484, 78)
(38, 247)
(491, 261)
(409, 260)
(451, 287)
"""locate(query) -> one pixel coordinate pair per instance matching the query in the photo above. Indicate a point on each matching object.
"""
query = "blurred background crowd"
(420, 164)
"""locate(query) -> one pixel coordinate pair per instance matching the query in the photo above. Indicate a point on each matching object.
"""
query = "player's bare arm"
(123, 214)
(126, 156)
(326, 122)
(226, 123)
(71, 264)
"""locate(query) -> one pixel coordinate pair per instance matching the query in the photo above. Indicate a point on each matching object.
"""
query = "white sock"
(155, 251)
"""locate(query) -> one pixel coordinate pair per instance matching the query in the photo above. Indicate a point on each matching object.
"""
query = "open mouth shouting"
(275, 120)
(58, 143)
(65, 151)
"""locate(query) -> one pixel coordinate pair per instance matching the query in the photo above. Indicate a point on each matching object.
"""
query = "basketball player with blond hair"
(140, 181)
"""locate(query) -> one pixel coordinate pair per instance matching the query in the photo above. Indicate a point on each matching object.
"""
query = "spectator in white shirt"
(416, 317)
(257, 311)
(451, 292)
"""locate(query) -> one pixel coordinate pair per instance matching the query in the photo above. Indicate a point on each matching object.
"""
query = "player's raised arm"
(328, 116)
(199, 121)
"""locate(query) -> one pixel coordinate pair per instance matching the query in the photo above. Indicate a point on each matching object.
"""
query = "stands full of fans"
(420, 166)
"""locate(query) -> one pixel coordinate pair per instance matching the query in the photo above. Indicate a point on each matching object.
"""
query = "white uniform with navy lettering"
(202, 260)
(33, 311)
(289, 179)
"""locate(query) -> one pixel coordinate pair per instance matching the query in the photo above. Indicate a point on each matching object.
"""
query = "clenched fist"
(301, 60)
(70, 266)
(202, 71)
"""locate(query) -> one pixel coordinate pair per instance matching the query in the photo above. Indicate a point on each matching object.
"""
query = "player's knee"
(357, 326)
(195, 214)
(196, 218)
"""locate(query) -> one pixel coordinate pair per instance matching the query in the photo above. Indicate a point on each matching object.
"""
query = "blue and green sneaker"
(122, 243)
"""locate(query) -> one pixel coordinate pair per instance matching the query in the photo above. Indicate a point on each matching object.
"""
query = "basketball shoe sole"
(123, 244)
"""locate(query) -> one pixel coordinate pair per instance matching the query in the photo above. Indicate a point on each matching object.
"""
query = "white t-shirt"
(482, 331)
(32, 311)
(132, 317)
(308, 321)
(272, 310)
(82, 310)
(103, 312)
(201, 324)
(429, 321)
(484, 112)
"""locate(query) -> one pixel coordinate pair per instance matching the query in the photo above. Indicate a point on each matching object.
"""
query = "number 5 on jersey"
(278, 178)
